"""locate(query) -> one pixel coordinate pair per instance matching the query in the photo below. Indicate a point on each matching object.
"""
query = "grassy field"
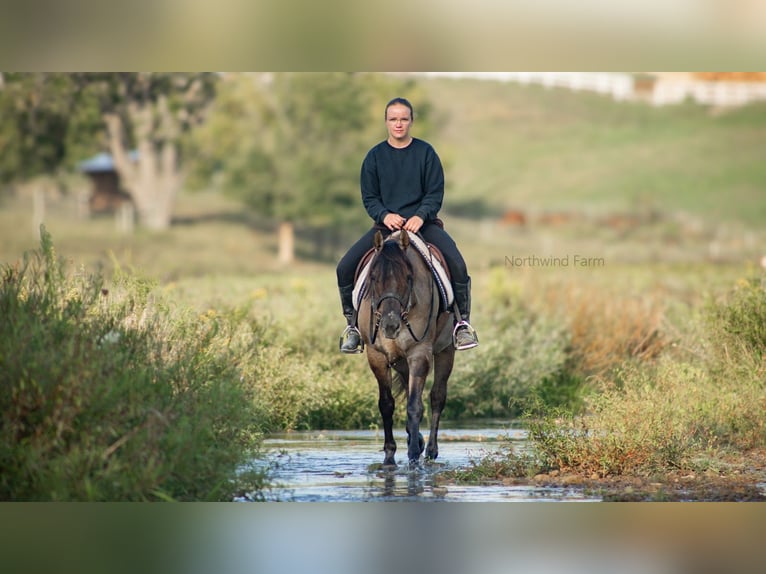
(666, 207)
(538, 149)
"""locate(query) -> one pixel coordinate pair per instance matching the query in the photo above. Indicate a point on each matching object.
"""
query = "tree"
(55, 118)
(290, 145)
(37, 136)
(151, 112)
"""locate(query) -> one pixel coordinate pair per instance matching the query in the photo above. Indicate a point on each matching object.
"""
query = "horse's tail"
(399, 384)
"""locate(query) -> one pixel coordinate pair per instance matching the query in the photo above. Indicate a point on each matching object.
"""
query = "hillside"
(525, 147)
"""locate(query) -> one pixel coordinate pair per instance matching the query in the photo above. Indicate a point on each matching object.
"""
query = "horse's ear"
(404, 239)
(377, 241)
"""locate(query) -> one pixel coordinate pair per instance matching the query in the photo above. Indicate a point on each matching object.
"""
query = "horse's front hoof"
(389, 464)
(431, 454)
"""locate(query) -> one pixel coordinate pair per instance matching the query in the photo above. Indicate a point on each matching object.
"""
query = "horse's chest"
(391, 350)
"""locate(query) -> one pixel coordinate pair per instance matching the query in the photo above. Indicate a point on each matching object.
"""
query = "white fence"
(708, 93)
(620, 86)
(617, 85)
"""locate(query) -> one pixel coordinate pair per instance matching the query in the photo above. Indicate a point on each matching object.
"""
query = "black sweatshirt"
(408, 181)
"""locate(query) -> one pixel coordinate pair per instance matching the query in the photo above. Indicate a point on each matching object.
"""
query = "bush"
(737, 326)
(606, 329)
(672, 414)
(301, 392)
(108, 394)
(523, 356)
(736, 344)
(656, 421)
(297, 377)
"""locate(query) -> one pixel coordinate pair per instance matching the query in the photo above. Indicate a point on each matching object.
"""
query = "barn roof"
(102, 162)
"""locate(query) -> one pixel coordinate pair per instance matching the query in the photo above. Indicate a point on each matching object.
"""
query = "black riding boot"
(463, 336)
(351, 338)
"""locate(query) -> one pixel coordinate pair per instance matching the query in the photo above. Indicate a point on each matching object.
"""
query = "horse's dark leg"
(419, 366)
(379, 366)
(386, 407)
(442, 369)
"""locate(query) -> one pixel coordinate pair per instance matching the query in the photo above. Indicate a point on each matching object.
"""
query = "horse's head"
(390, 280)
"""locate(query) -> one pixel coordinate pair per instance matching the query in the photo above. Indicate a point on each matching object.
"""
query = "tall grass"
(648, 403)
(111, 393)
(549, 340)
(300, 379)
(675, 413)
(523, 354)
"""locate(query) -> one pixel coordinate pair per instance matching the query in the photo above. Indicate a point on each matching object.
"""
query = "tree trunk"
(286, 234)
(153, 179)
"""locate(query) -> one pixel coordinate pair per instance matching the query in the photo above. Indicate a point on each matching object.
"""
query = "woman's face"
(398, 122)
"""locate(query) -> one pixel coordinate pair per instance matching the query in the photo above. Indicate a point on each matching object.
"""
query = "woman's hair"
(403, 102)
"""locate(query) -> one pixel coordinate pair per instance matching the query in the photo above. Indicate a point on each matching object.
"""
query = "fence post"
(125, 217)
(38, 209)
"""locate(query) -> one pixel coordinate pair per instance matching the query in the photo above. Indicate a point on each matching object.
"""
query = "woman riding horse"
(402, 183)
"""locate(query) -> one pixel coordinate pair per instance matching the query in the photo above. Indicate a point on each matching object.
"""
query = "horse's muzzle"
(390, 325)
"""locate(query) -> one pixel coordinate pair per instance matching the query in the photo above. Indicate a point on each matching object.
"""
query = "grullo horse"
(406, 333)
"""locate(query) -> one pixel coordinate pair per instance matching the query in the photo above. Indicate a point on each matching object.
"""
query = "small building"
(107, 195)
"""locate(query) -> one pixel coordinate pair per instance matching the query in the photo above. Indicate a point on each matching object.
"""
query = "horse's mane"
(391, 259)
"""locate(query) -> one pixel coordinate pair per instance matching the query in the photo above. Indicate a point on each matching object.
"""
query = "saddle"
(433, 258)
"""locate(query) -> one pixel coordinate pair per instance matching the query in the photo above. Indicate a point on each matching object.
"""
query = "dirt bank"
(742, 479)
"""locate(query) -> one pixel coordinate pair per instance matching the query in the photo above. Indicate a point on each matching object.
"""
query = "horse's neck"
(422, 276)
(419, 266)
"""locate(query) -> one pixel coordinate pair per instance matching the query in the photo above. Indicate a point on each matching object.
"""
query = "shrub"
(523, 355)
(297, 377)
(112, 395)
(673, 414)
(654, 422)
(737, 327)
(607, 329)
(736, 342)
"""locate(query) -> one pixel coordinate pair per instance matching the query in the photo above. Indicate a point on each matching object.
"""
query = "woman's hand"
(413, 224)
(393, 221)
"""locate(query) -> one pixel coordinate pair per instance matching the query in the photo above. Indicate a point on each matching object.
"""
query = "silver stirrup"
(471, 330)
(359, 348)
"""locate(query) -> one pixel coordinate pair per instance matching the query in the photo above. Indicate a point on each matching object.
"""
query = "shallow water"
(344, 466)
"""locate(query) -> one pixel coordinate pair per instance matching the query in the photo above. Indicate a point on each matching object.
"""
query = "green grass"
(533, 148)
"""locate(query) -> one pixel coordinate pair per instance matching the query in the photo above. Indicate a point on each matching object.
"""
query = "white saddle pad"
(440, 274)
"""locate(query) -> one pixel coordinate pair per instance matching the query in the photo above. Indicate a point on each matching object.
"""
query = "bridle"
(404, 315)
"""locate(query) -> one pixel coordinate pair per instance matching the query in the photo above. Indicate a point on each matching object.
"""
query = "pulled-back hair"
(403, 102)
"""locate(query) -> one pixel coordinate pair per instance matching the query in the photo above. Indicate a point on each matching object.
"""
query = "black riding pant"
(430, 231)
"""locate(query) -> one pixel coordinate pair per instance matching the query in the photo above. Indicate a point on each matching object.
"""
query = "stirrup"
(471, 331)
(356, 350)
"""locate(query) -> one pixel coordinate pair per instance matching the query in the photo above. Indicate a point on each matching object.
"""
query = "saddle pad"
(440, 274)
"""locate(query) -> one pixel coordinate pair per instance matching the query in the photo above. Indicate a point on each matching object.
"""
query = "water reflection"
(415, 485)
(335, 466)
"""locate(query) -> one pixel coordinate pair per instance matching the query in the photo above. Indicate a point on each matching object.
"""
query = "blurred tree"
(57, 119)
(151, 112)
(291, 145)
(35, 136)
